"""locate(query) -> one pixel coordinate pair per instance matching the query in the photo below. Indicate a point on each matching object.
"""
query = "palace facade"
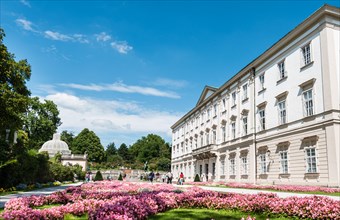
(277, 121)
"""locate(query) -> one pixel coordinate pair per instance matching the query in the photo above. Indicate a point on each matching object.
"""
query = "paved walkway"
(43, 191)
(254, 191)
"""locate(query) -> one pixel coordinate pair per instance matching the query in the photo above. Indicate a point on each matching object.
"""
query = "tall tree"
(42, 122)
(68, 137)
(111, 149)
(123, 151)
(148, 148)
(87, 141)
(14, 96)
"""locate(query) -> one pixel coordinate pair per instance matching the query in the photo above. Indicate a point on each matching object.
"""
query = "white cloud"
(170, 83)
(80, 38)
(123, 88)
(102, 37)
(25, 24)
(63, 37)
(121, 46)
(57, 36)
(26, 3)
(110, 118)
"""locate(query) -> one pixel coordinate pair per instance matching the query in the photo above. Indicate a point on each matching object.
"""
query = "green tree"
(14, 98)
(87, 141)
(98, 176)
(42, 121)
(68, 137)
(123, 151)
(111, 149)
(148, 148)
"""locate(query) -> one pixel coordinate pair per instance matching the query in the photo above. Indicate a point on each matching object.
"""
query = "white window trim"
(245, 166)
(303, 63)
(305, 114)
(284, 69)
(263, 163)
(287, 160)
(279, 112)
(316, 158)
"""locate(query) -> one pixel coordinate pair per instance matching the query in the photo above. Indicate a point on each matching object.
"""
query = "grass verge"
(208, 214)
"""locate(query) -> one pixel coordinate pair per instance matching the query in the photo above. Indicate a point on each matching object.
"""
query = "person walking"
(181, 178)
(151, 176)
(169, 177)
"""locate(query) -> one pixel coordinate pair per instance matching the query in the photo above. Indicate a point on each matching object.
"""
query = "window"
(201, 170)
(308, 102)
(224, 134)
(245, 91)
(282, 70)
(262, 115)
(202, 117)
(233, 96)
(202, 144)
(223, 105)
(186, 146)
(208, 114)
(261, 79)
(207, 138)
(232, 168)
(263, 163)
(213, 169)
(245, 125)
(282, 112)
(284, 162)
(182, 147)
(214, 136)
(222, 167)
(244, 161)
(233, 130)
(215, 110)
(306, 54)
(311, 160)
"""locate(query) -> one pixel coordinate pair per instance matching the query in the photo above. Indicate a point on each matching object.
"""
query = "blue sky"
(125, 69)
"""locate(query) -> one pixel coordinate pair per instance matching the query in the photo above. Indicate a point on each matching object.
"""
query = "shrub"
(98, 176)
(120, 177)
(21, 186)
(197, 178)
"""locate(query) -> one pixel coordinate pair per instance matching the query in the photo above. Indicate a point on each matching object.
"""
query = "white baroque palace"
(277, 121)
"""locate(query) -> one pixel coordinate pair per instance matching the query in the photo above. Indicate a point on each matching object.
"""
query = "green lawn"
(208, 214)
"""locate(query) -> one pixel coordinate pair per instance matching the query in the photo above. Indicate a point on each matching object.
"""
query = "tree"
(99, 176)
(41, 121)
(110, 150)
(14, 96)
(68, 137)
(148, 148)
(123, 151)
(87, 141)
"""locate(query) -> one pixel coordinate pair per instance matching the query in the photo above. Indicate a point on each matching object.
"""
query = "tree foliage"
(87, 141)
(41, 122)
(14, 96)
(68, 137)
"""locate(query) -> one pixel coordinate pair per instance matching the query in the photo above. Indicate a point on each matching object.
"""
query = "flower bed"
(287, 188)
(121, 200)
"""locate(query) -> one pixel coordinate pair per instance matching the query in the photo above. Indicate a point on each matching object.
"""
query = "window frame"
(282, 69)
(306, 55)
(245, 165)
(245, 91)
(232, 166)
(262, 118)
(262, 81)
(233, 129)
(263, 163)
(308, 110)
(308, 168)
(282, 111)
(284, 162)
(245, 125)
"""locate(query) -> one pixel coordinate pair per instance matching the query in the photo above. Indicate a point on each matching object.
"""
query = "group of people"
(167, 178)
